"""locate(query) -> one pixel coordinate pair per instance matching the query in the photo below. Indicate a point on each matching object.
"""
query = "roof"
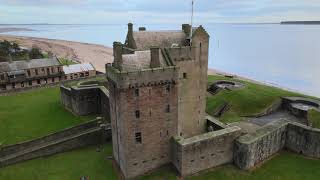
(22, 65)
(146, 39)
(76, 68)
(139, 60)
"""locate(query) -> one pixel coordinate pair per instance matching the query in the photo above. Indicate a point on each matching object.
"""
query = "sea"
(287, 56)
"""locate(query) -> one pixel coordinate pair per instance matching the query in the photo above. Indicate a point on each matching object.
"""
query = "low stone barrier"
(255, 148)
(303, 140)
(204, 151)
(90, 133)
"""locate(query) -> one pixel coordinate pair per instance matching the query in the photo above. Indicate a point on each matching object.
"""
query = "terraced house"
(35, 72)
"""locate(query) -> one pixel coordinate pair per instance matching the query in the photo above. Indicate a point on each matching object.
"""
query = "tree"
(35, 53)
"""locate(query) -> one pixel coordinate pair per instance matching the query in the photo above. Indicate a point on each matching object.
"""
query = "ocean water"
(283, 55)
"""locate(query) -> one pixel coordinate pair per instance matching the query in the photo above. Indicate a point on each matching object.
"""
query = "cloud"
(147, 11)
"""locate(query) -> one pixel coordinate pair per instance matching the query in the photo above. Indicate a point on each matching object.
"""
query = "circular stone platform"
(228, 85)
(304, 105)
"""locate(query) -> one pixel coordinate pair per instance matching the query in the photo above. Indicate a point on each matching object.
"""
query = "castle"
(157, 85)
(155, 97)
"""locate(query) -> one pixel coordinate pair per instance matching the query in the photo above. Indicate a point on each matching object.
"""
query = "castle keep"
(157, 85)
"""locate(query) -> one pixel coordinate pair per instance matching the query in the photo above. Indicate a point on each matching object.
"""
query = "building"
(77, 71)
(38, 72)
(157, 85)
(35, 72)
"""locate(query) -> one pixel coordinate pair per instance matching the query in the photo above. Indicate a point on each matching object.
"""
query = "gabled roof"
(22, 65)
(146, 39)
(77, 68)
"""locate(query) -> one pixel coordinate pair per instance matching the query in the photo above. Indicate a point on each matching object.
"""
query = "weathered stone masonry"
(204, 151)
(257, 147)
(86, 100)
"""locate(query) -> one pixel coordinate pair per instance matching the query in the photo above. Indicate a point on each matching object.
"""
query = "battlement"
(183, 53)
(144, 77)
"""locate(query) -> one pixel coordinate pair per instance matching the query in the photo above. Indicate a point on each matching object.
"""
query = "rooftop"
(76, 68)
(146, 39)
(22, 65)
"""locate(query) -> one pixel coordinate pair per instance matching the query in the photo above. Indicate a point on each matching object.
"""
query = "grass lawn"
(67, 62)
(89, 162)
(32, 114)
(251, 100)
(67, 166)
(314, 117)
(286, 166)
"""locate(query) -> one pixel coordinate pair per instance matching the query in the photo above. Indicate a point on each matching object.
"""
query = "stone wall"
(303, 140)
(205, 151)
(149, 111)
(255, 148)
(86, 100)
(90, 133)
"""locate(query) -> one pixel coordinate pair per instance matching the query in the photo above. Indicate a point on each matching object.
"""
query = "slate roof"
(139, 60)
(77, 68)
(22, 65)
(146, 39)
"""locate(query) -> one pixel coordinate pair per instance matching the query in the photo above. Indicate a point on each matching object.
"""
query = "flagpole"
(191, 23)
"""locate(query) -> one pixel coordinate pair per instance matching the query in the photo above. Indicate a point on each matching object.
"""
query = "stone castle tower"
(157, 85)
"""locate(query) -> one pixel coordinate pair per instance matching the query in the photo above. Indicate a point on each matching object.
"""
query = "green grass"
(251, 100)
(32, 114)
(314, 117)
(67, 166)
(287, 166)
(65, 61)
(95, 78)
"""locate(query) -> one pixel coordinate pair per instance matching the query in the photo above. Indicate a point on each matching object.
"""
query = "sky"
(156, 11)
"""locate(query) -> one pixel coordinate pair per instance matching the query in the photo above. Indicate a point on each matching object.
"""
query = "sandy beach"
(98, 55)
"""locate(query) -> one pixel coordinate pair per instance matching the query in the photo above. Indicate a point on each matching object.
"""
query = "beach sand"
(98, 55)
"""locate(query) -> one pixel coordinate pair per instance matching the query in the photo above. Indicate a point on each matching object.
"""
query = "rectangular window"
(168, 108)
(30, 83)
(36, 70)
(45, 80)
(13, 85)
(42, 70)
(137, 114)
(87, 73)
(81, 74)
(38, 81)
(168, 88)
(53, 80)
(2, 77)
(138, 138)
(22, 84)
(48, 71)
(184, 75)
(52, 69)
(29, 73)
(136, 92)
(3, 87)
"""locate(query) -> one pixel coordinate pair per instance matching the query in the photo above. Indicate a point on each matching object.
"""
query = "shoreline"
(99, 55)
(4, 30)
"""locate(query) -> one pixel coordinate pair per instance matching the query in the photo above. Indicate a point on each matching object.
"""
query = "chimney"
(187, 29)
(130, 28)
(117, 53)
(155, 57)
(142, 29)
